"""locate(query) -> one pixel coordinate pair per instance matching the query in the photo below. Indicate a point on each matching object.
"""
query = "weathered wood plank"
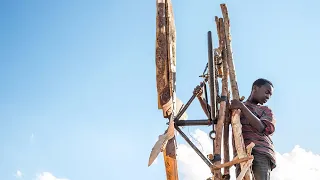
(236, 160)
(170, 151)
(161, 53)
(170, 160)
(224, 94)
(222, 109)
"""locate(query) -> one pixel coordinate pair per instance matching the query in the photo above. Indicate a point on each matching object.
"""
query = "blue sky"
(78, 93)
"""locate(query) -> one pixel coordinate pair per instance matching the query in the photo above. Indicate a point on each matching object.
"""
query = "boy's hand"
(236, 104)
(198, 91)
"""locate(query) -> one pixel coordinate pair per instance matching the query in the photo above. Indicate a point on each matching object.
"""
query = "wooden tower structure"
(219, 69)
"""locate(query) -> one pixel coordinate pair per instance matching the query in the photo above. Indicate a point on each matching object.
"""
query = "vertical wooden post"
(226, 151)
(170, 151)
(224, 94)
(235, 118)
(162, 69)
(166, 80)
(221, 118)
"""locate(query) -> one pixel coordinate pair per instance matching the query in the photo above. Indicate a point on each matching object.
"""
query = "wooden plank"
(224, 94)
(235, 118)
(222, 109)
(162, 71)
(245, 169)
(162, 66)
(166, 84)
(170, 160)
(226, 151)
(236, 160)
(170, 151)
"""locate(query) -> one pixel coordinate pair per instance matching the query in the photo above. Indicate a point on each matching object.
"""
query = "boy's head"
(261, 90)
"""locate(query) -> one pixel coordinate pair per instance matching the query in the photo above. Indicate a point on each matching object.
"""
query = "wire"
(195, 139)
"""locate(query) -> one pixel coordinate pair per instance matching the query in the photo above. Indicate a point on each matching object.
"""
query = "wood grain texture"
(170, 151)
(170, 160)
(166, 80)
(162, 66)
(236, 160)
(235, 117)
(225, 75)
(222, 109)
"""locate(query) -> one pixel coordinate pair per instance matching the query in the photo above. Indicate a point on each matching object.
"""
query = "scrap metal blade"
(163, 139)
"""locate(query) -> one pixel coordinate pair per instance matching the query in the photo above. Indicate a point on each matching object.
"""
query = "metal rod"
(207, 101)
(212, 85)
(212, 78)
(193, 122)
(186, 106)
(205, 69)
(193, 146)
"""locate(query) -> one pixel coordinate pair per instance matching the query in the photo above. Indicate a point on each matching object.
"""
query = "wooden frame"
(220, 65)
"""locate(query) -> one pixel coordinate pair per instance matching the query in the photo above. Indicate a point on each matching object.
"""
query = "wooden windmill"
(220, 68)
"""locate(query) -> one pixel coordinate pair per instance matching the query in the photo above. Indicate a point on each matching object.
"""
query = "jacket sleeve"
(268, 120)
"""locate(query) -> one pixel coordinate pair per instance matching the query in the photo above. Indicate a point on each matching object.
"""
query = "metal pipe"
(212, 79)
(193, 122)
(193, 146)
(207, 101)
(186, 106)
(212, 85)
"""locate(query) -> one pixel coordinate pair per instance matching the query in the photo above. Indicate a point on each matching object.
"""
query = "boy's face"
(262, 94)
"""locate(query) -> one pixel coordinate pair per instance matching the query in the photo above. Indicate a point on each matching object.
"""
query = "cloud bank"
(295, 165)
(48, 176)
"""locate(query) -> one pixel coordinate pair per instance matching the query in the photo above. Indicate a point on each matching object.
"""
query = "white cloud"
(48, 176)
(18, 174)
(295, 165)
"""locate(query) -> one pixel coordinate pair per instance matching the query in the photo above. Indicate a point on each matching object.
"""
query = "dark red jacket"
(263, 142)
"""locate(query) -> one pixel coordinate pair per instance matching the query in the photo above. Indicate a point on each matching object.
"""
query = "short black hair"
(260, 82)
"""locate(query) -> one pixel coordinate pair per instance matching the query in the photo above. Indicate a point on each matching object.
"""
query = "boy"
(258, 124)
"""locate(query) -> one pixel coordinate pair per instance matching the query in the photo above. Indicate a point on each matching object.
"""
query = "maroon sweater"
(263, 142)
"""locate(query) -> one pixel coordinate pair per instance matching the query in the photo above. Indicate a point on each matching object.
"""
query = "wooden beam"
(226, 151)
(166, 81)
(170, 160)
(235, 118)
(170, 151)
(225, 92)
(249, 148)
(233, 162)
(222, 109)
(162, 66)
(245, 169)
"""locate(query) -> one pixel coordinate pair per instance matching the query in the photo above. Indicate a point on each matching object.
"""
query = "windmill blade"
(163, 139)
(166, 84)
(157, 148)
(161, 144)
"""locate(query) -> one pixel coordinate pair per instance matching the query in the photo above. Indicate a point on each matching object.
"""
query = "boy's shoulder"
(266, 108)
(260, 109)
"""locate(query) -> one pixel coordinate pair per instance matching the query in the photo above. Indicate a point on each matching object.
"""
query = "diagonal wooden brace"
(244, 170)
(246, 167)
(236, 160)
